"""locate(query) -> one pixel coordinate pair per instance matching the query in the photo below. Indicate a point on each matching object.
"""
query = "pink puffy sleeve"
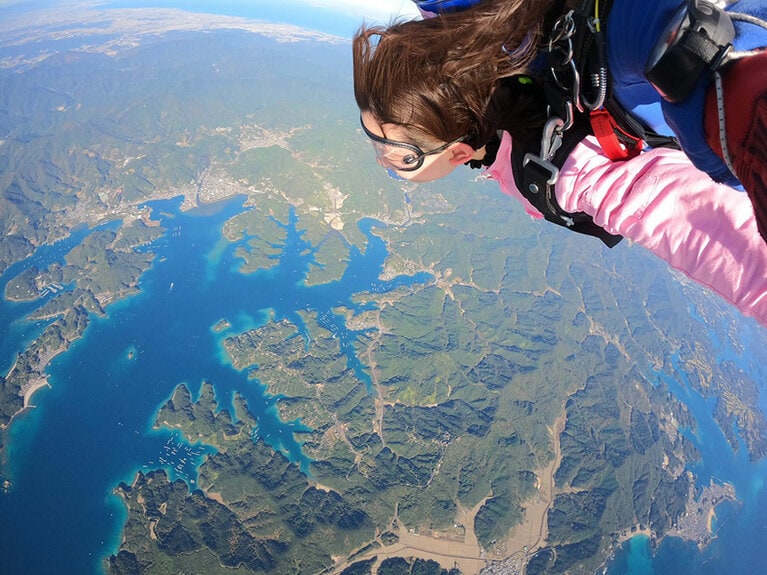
(501, 172)
(659, 200)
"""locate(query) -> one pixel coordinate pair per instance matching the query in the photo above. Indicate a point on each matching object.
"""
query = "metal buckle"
(546, 165)
(551, 140)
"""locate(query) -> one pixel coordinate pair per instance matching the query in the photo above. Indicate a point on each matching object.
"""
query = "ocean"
(93, 428)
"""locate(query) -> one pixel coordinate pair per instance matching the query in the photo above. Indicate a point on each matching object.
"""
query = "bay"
(18, 331)
(93, 429)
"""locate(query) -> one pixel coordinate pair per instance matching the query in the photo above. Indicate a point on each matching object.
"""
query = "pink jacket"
(659, 200)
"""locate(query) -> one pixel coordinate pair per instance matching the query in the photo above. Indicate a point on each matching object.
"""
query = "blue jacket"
(633, 29)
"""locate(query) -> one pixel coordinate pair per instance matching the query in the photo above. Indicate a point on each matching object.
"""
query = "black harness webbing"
(535, 180)
(536, 169)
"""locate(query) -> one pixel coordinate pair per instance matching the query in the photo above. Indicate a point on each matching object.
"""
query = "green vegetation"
(29, 367)
(103, 268)
(12, 249)
(399, 566)
(465, 377)
(466, 380)
(24, 286)
(332, 257)
(221, 325)
(200, 420)
(253, 509)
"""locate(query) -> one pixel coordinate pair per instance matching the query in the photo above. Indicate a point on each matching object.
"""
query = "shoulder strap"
(620, 133)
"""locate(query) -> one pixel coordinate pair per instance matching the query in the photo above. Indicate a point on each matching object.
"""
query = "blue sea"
(93, 428)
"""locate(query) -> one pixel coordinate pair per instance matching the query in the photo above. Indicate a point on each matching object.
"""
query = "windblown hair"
(438, 77)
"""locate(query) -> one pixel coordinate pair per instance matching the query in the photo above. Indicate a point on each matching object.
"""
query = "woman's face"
(396, 153)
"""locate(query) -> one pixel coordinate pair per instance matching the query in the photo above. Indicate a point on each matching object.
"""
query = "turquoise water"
(741, 527)
(93, 428)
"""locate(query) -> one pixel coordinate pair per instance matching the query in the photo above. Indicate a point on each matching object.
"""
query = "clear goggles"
(401, 156)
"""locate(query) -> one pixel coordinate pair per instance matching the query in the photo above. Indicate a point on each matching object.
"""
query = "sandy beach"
(33, 386)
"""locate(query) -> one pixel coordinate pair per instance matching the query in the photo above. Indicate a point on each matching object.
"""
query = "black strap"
(535, 181)
(633, 125)
(693, 51)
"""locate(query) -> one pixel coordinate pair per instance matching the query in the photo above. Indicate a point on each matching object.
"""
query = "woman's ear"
(460, 153)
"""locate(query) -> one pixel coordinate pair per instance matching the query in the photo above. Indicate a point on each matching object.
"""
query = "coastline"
(38, 380)
(30, 391)
(27, 391)
(636, 531)
(697, 525)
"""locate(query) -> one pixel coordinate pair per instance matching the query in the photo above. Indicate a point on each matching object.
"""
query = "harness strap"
(536, 175)
(631, 125)
(722, 122)
(616, 143)
(697, 42)
(578, 79)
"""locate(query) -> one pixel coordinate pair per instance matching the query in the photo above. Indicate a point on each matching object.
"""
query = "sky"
(340, 17)
(377, 9)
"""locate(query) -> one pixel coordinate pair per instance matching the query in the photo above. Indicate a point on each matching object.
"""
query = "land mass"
(443, 476)
(505, 416)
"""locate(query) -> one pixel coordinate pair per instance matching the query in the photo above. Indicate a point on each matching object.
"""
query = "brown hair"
(438, 77)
